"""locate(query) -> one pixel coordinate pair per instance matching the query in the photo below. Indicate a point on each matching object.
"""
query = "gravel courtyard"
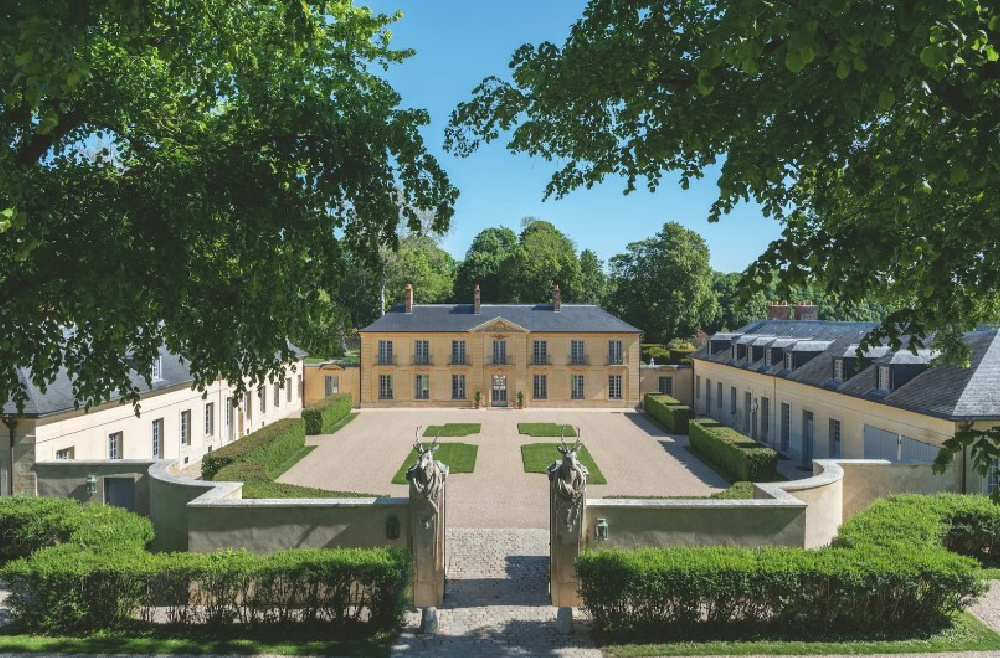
(636, 457)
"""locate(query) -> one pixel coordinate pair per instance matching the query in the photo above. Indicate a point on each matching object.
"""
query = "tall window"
(458, 353)
(992, 476)
(115, 447)
(209, 418)
(788, 361)
(540, 352)
(260, 399)
(578, 353)
(765, 420)
(423, 391)
(422, 353)
(834, 438)
(838, 368)
(229, 418)
(385, 353)
(157, 439)
(708, 395)
(615, 353)
(697, 387)
(615, 387)
(718, 391)
(576, 387)
(882, 380)
(156, 370)
(786, 426)
(665, 385)
(385, 387)
(732, 399)
(288, 389)
(247, 407)
(499, 352)
(331, 385)
(186, 427)
(458, 387)
(277, 396)
(540, 388)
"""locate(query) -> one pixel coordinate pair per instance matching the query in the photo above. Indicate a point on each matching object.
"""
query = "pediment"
(497, 325)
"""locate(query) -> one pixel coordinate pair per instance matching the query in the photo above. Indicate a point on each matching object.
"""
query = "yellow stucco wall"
(683, 381)
(480, 371)
(345, 380)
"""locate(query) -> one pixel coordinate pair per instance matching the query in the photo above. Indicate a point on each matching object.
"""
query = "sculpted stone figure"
(568, 479)
(427, 478)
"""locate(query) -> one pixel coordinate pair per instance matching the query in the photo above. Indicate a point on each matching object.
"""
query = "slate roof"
(572, 318)
(58, 395)
(952, 392)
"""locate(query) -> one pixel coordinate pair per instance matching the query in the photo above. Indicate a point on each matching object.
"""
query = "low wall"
(868, 479)
(823, 495)
(169, 498)
(67, 478)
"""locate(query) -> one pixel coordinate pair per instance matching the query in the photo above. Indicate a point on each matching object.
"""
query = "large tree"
(187, 174)
(420, 260)
(546, 257)
(489, 262)
(869, 129)
(663, 285)
(593, 286)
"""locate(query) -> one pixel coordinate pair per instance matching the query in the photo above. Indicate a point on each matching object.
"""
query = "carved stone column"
(567, 506)
(427, 530)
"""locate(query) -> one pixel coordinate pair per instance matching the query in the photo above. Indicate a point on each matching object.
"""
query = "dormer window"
(156, 370)
(733, 352)
(838, 369)
(882, 382)
(788, 361)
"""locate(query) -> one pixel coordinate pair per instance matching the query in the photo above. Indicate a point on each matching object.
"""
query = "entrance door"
(120, 492)
(499, 390)
(747, 411)
(807, 438)
(786, 429)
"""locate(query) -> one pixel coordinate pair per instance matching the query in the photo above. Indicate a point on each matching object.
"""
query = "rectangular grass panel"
(451, 429)
(458, 457)
(547, 429)
(537, 457)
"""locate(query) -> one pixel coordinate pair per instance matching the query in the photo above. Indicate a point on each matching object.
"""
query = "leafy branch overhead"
(869, 130)
(192, 175)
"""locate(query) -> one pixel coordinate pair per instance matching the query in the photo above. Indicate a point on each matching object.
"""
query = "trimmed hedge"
(737, 456)
(323, 415)
(669, 412)
(102, 579)
(272, 445)
(28, 524)
(887, 572)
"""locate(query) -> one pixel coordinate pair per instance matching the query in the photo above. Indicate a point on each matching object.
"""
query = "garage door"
(880, 444)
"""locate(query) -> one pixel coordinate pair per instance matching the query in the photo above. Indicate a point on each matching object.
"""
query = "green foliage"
(267, 489)
(546, 429)
(593, 286)
(737, 456)
(458, 457)
(669, 412)
(324, 415)
(420, 260)
(271, 446)
(663, 284)
(452, 429)
(537, 457)
(101, 578)
(887, 572)
(28, 523)
(490, 263)
(737, 491)
(190, 175)
(545, 257)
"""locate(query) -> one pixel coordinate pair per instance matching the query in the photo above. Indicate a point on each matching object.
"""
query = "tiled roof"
(953, 392)
(571, 318)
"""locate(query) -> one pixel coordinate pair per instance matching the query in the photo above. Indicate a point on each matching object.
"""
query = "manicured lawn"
(281, 490)
(459, 457)
(537, 457)
(547, 429)
(452, 429)
(738, 491)
(967, 634)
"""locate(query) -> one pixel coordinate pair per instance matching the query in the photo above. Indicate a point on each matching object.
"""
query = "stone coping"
(827, 471)
(95, 462)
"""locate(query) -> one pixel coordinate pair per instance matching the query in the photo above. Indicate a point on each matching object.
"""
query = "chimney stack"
(556, 298)
(779, 311)
(408, 299)
(806, 310)
(475, 300)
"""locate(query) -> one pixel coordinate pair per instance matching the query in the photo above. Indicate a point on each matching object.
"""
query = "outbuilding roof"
(430, 318)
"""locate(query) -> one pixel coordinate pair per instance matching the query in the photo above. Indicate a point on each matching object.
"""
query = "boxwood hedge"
(323, 415)
(101, 578)
(889, 571)
(272, 446)
(669, 412)
(738, 457)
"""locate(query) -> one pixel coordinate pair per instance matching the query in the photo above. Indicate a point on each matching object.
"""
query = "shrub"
(737, 456)
(29, 523)
(888, 571)
(272, 445)
(668, 412)
(680, 350)
(654, 351)
(323, 415)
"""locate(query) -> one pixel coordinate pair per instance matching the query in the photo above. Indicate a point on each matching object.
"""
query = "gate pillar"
(567, 507)
(427, 527)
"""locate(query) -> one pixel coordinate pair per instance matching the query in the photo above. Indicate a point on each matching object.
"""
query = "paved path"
(635, 456)
(496, 601)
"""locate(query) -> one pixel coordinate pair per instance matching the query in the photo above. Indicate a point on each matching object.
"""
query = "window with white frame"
(665, 385)
(385, 352)
(115, 447)
(615, 357)
(499, 352)
(992, 477)
(157, 439)
(540, 387)
(331, 385)
(422, 353)
(385, 387)
(732, 399)
(540, 352)
(614, 387)
(576, 387)
(65, 453)
(277, 396)
(260, 400)
(788, 361)
(156, 370)
(578, 353)
(718, 394)
(186, 427)
(697, 387)
(458, 387)
(423, 390)
(247, 407)
(229, 416)
(882, 381)
(209, 418)
(288, 389)
(458, 353)
(838, 368)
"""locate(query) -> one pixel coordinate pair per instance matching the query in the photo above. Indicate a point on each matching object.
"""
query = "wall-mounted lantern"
(392, 528)
(601, 531)
(91, 484)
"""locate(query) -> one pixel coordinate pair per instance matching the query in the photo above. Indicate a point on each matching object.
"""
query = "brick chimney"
(779, 310)
(408, 299)
(475, 300)
(806, 310)
(556, 298)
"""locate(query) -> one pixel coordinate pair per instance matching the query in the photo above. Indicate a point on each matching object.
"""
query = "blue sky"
(458, 43)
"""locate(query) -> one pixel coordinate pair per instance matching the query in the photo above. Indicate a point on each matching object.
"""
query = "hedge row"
(28, 524)
(101, 578)
(887, 572)
(323, 415)
(272, 446)
(669, 412)
(738, 457)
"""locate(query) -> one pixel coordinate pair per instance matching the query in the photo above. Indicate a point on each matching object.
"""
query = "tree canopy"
(188, 174)
(868, 129)
(421, 261)
(545, 257)
(489, 262)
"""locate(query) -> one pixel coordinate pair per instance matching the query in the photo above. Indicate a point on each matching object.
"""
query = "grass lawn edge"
(535, 462)
(458, 457)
